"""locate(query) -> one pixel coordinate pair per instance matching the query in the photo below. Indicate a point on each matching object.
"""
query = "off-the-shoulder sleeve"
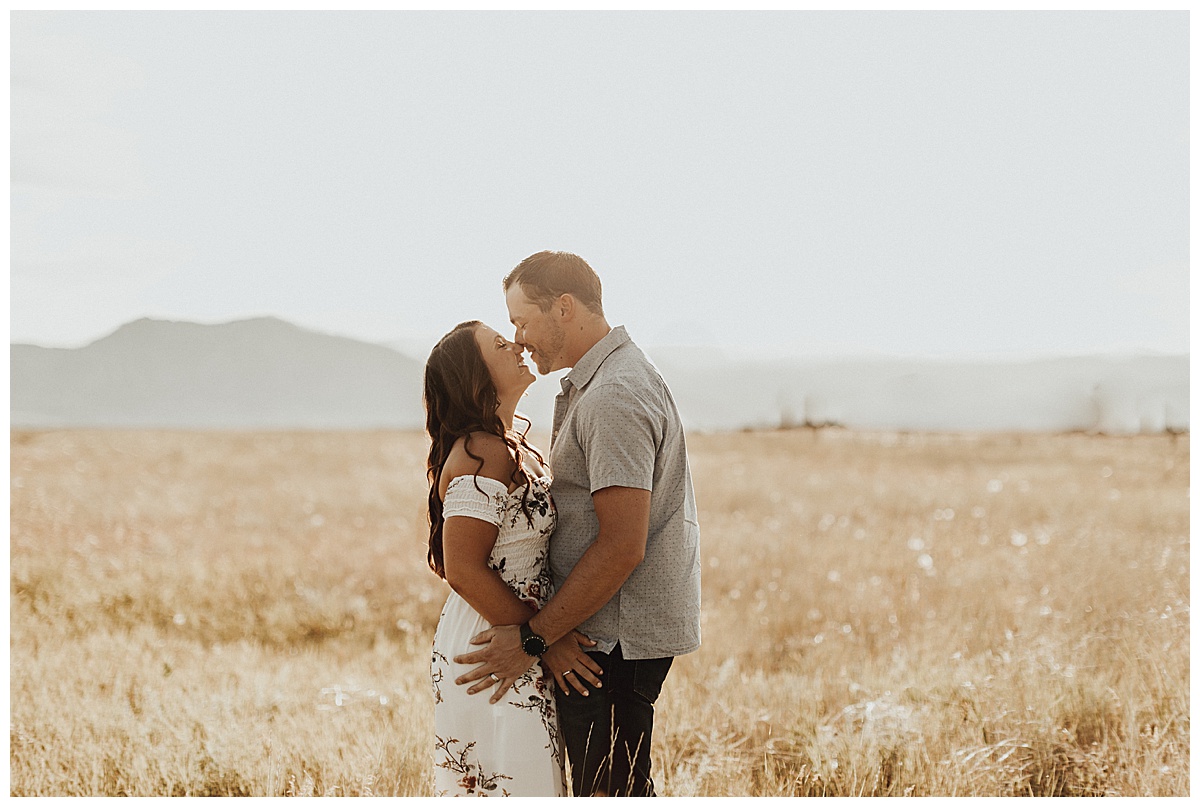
(464, 499)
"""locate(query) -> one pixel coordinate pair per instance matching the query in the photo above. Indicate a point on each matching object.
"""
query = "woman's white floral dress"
(512, 747)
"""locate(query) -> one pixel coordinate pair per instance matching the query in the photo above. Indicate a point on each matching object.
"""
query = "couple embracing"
(575, 575)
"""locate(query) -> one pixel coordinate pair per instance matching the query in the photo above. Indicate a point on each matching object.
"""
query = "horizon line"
(726, 351)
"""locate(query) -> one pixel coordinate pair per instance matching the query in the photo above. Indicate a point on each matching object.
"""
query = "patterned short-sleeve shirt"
(616, 424)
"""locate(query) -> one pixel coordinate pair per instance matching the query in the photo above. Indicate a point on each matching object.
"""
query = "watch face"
(531, 643)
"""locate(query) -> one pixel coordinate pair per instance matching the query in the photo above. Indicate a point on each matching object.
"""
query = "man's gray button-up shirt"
(616, 424)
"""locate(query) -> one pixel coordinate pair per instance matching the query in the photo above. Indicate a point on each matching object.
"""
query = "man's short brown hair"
(546, 276)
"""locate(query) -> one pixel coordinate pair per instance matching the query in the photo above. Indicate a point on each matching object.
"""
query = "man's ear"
(564, 306)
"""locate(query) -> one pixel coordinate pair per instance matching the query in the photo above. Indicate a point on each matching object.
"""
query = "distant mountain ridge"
(249, 374)
(265, 373)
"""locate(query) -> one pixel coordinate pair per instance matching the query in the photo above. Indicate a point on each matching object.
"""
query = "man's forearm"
(597, 576)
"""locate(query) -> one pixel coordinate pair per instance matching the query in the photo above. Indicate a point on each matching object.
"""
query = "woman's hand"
(570, 665)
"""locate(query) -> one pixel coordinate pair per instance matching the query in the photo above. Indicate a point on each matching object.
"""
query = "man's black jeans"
(607, 734)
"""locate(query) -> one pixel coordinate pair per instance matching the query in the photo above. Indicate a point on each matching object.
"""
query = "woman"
(490, 517)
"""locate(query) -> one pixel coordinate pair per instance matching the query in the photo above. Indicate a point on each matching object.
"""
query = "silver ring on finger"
(495, 678)
(569, 672)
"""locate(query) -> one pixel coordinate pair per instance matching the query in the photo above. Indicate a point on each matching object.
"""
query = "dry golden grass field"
(221, 614)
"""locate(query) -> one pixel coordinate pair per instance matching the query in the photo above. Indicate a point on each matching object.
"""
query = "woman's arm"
(467, 547)
(467, 542)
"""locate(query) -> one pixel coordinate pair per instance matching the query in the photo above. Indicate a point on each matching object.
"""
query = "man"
(625, 556)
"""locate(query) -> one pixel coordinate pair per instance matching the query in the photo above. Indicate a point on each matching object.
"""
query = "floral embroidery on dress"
(471, 776)
(521, 750)
(437, 673)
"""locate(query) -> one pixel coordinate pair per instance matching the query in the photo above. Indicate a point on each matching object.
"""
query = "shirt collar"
(586, 367)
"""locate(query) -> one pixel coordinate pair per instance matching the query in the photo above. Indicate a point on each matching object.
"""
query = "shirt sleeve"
(620, 436)
(464, 499)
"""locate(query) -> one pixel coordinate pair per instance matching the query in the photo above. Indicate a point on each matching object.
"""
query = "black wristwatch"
(531, 643)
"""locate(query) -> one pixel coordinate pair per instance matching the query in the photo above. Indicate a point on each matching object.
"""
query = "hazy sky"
(956, 184)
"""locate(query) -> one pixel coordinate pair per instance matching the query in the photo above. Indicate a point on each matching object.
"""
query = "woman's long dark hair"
(460, 398)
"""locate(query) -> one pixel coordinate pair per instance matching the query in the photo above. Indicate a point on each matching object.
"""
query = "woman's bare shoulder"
(498, 462)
